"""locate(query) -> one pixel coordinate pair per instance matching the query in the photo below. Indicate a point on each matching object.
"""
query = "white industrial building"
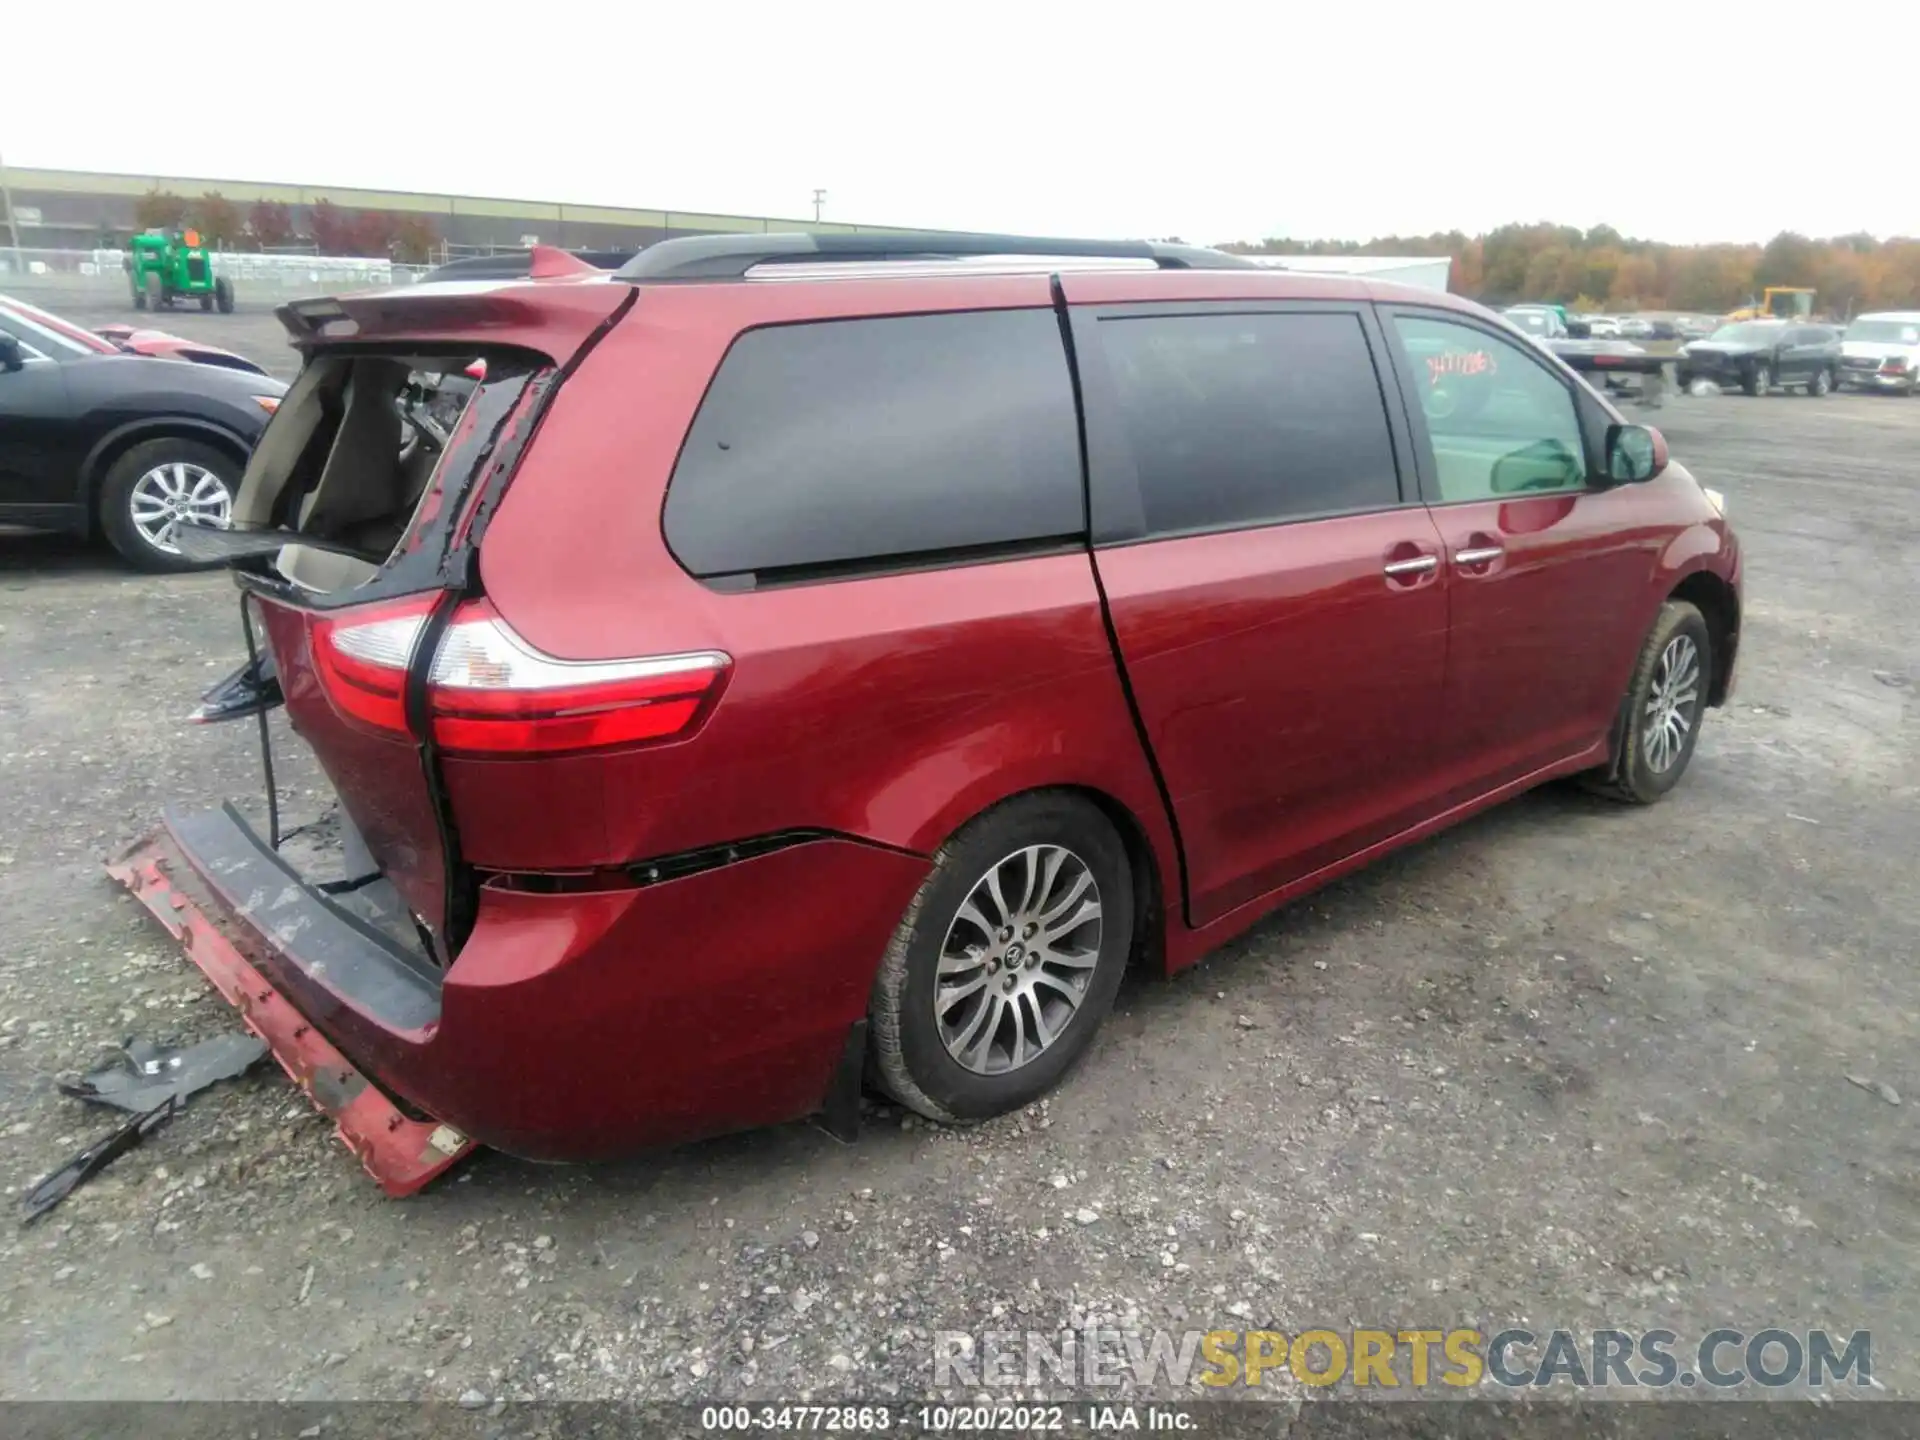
(1427, 271)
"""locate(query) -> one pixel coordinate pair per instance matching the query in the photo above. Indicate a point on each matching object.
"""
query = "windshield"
(49, 334)
(1534, 322)
(1748, 332)
(1887, 332)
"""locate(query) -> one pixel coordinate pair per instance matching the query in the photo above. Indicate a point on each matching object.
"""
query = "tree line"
(269, 225)
(1600, 269)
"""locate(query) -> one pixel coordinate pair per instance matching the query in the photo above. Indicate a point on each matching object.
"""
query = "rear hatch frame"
(439, 554)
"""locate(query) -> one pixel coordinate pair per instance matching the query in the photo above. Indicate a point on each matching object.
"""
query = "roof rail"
(517, 264)
(730, 257)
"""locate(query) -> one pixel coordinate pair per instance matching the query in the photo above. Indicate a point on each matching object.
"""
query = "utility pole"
(13, 228)
(819, 199)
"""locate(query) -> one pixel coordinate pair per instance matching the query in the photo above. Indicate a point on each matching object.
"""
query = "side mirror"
(1635, 453)
(11, 357)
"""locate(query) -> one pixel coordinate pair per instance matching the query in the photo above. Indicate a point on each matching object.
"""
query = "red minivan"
(805, 661)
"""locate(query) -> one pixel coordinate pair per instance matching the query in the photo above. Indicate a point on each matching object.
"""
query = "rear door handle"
(1478, 555)
(1418, 565)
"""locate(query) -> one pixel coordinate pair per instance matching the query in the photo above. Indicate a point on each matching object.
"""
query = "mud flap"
(840, 1112)
(402, 1154)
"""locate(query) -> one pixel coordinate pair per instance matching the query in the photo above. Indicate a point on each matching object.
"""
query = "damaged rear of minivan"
(354, 543)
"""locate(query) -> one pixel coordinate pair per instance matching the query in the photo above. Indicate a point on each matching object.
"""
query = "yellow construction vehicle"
(1779, 302)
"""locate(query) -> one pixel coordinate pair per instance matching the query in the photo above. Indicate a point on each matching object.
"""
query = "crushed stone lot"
(1570, 1065)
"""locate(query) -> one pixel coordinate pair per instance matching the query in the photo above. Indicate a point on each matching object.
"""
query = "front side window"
(1499, 422)
(1238, 420)
(855, 442)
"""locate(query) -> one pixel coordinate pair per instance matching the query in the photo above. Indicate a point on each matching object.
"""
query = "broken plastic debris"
(95, 1158)
(141, 1075)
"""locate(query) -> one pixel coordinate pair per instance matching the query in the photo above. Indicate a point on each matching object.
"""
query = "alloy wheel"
(178, 491)
(1018, 959)
(1673, 702)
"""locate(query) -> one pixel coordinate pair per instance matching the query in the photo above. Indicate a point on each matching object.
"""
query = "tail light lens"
(491, 693)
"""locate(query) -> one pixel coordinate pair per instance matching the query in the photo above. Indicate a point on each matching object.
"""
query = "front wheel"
(223, 294)
(156, 292)
(1006, 961)
(1759, 380)
(1664, 705)
(139, 295)
(1822, 383)
(158, 485)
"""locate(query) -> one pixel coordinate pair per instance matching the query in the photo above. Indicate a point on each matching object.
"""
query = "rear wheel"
(156, 292)
(223, 294)
(1006, 961)
(1665, 703)
(1759, 380)
(156, 486)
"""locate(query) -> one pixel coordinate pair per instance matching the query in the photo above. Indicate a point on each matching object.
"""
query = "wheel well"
(1717, 604)
(108, 455)
(1149, 914)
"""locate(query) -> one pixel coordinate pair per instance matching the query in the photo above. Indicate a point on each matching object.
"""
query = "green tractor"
(166, 266)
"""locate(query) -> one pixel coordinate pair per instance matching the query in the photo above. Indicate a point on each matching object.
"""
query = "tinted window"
(858, 440)
(1241, 420)
(1500, 423)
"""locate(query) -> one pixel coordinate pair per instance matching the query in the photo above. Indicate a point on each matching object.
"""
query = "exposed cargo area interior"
(351, 462)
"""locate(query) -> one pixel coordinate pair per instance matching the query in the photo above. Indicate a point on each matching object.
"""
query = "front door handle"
(1478, 555)
(1418, 565)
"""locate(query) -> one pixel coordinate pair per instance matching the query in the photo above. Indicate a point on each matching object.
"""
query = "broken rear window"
(365, 451)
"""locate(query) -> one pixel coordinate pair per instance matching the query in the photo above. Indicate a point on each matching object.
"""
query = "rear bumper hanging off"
(401, 1153)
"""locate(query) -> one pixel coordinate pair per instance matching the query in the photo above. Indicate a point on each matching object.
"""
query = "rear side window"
(853, 442)
(1248, 419)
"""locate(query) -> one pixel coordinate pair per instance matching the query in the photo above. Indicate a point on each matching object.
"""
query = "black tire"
(1821, 385)
(910, 1059)
(206, 301)
(156, 292)
(223, 294)
(139, 295)
(116, 497)
(1759, 380)
(1633, 777)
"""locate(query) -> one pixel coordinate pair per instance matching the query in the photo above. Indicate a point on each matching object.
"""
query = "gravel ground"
(1569, 1065)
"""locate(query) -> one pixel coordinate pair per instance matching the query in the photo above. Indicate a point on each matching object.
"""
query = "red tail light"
(491, 693)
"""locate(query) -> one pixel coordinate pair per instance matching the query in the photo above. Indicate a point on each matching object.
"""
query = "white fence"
(277, 277)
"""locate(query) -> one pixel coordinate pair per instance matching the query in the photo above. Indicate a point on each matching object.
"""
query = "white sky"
(1214, 121)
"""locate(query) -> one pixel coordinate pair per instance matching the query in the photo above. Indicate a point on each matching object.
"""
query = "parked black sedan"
(120, 444)
(1760, 355)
